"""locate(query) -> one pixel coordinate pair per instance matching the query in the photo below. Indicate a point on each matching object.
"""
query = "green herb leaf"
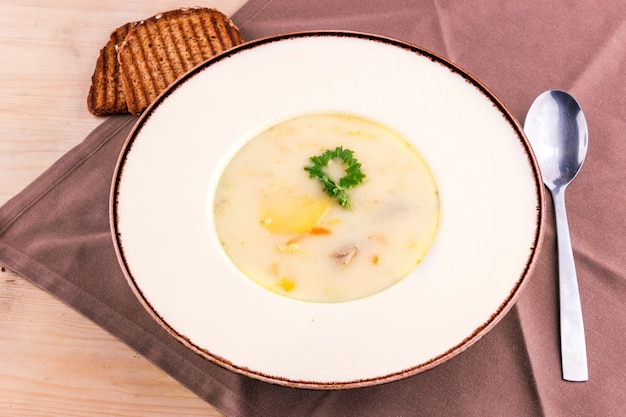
(336, 189)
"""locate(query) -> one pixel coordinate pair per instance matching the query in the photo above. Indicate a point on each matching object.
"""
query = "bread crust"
(106, 95)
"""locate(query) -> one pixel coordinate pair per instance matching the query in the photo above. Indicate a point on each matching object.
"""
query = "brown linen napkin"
(56, 232)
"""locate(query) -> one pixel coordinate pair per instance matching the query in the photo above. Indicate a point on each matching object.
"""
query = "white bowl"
(492, 210)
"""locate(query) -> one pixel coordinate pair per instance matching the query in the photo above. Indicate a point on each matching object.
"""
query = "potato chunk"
(292, 214)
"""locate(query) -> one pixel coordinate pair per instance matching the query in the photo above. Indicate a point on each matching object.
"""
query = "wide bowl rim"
(479, 332)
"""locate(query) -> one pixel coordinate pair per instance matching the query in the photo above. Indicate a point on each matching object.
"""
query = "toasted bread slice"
(160, 49)
(106, 95)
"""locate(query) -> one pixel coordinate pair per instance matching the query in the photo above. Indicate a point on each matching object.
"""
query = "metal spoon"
(557, 130)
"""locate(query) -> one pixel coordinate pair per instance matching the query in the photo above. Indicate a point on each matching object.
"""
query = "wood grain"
(53, 361)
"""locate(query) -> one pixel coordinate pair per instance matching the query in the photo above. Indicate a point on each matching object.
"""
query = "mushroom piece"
(345, 255)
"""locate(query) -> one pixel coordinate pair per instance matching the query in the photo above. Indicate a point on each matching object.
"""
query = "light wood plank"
(55, 362)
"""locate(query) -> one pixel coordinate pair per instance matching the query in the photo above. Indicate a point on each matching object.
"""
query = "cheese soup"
(284, 231)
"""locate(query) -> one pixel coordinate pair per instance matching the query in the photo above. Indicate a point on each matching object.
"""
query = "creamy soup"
(285, 232)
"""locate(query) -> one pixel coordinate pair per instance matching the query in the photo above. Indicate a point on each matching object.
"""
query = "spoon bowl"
(557, 130)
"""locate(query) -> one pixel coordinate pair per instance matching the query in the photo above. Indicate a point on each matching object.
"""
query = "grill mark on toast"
(182, 40)
(149, 61)
(192, 35)
(159, 64)
(172, 54)
(204, 39)
(136, 79)
(132, 63)
(114, 86)
(213, 28)
(217, 27)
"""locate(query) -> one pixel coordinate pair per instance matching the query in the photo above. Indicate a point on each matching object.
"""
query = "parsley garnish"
(337, 189)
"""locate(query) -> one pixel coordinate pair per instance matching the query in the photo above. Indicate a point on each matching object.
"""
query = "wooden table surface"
(53, 361)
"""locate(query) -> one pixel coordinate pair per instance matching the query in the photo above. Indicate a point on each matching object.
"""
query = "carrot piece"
(320, 231)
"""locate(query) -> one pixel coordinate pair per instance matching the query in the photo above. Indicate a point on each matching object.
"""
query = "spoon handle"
(573, 349)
